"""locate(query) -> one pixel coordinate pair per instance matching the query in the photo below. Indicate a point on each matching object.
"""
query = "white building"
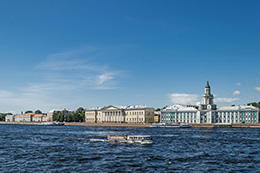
(208, 112)
(9, 118)
(28, 117)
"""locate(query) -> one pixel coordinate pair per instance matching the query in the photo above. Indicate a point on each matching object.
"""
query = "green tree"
(60, 116)
(253, 104)
(28, 112)
(57, 116)
(75, 116)
(257, 105)
(38, 112)
(3, 115)
(69, 117)
(80, 114)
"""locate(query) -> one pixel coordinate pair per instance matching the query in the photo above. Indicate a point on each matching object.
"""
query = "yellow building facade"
(112, 114)
(139, 115)
(91, 116)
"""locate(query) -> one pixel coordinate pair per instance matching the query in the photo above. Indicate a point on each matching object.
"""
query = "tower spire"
(207, 99)
(207, 85)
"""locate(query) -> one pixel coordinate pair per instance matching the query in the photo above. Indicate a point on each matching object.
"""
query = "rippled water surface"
(25, 148)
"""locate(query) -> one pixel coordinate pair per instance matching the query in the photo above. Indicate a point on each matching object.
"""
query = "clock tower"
(207, 99)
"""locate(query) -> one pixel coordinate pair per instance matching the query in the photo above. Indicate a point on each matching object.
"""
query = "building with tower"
(207, 100)
(208, 113)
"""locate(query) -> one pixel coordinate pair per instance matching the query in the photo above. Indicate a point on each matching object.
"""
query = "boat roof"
(130, 135)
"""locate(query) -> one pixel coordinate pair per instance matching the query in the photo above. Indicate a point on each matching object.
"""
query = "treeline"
(36, 112)
(255, 104)
(66, 116)
(2, 116)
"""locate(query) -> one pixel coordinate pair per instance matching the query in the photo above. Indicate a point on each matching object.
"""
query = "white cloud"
(236, 93)
(238, 84)
(69, 68)
(197, 103)
(5, 94)
(182, 98)
(77, 59)
(64, 80)
(226, 100)
(105, 77)
(257, 89)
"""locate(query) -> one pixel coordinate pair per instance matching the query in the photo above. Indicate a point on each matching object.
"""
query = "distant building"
(9, 118)
(207, 112)
(28, 117)
(50, 115)
(127, 114)
(24, 117)
(139, 115)
(39, 118)
(157, 117)
(91, 115)
(111, 114)
(179, 114)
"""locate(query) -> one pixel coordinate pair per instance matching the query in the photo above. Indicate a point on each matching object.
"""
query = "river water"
(28, 148)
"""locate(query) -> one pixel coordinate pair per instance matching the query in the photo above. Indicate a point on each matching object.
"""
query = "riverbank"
(21, 123)
(107, 124)
(148, 125)
(225, 125)
(141, 125)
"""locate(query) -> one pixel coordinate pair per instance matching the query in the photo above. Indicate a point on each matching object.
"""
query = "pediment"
(110, 108)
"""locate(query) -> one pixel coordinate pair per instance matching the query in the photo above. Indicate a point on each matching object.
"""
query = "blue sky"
(66, 54)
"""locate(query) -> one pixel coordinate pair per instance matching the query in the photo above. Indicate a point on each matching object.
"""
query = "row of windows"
(234, 121)
(134, 113)
(178, 117)
(217, 113)
(235, 113)
(113, 113)
(179, 121)
(179, 113)
(119, 113)
(89, 113)
(235, 117)
(134, 119)
(90, 119)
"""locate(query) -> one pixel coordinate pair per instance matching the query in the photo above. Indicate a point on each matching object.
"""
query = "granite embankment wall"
(142, 125)
(23, 123)
(226, 125)
(108, 124)
(148, 125)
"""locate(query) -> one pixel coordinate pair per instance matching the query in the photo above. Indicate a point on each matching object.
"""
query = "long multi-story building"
(207, 112)
(127, 114)
(28, 117)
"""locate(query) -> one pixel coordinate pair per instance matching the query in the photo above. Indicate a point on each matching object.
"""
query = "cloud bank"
(226, 100)
(183, 98)
(63, 81)
(257, 89)
(236, 93)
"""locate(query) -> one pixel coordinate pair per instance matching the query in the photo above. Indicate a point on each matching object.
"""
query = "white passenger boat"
(131, 139)
(165, 125)
(158, 125)
(182, 125)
